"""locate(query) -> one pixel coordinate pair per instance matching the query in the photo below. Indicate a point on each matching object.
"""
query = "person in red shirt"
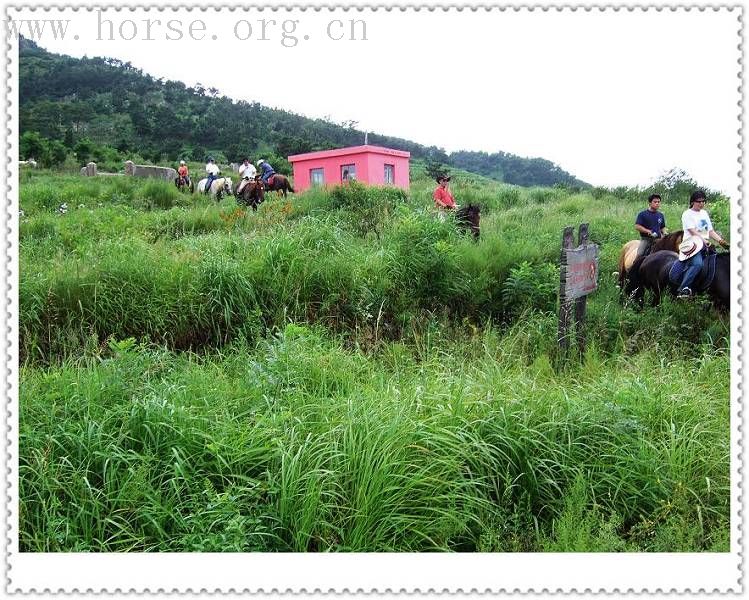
(443, 199)
(184, 172)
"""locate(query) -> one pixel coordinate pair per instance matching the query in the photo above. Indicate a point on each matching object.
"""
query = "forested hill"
(103, 109)
(513, 169)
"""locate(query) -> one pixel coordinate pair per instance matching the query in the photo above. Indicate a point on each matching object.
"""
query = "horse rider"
(443, 199)
(247, 172)
(651, 225)
(267, 170)
(696, 224)
(213, 172)
(184, 172)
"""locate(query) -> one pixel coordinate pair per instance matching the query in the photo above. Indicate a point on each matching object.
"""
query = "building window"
(389, 174)
(316, 176)
(348, 173)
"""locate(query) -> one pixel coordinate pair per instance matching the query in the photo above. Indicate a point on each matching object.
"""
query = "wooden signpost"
(578, 277)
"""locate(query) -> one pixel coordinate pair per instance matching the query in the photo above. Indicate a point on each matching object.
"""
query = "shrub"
(370, 206)
(508, 197)
(530, 287)
(161, 194)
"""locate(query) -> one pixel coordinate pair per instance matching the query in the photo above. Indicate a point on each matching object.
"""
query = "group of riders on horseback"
(684, 262)
(250, 189)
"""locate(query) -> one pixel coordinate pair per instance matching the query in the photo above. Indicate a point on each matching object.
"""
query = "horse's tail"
(622, 269)
(632, 284)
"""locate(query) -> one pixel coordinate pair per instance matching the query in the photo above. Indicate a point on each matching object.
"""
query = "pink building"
(370, 164)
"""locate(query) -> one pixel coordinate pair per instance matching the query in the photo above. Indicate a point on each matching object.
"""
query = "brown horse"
(653, 273)
(469, 218)
(184, 184)
(252, 194)
(278, 183)
(629, 253)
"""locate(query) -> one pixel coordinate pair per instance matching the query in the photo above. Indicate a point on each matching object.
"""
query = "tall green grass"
(343, 371)
(299, 444)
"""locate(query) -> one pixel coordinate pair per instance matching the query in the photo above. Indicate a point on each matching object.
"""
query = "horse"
(252, 194)
(184, 184)
(629, 252)
(651, 273)
(278, 183)
(219, 187)
(469, 218)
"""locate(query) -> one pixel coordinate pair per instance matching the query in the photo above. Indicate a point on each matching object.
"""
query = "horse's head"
(469, 217)
(227, 186)
(670, 241)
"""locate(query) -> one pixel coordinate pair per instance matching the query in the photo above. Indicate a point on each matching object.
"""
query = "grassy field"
(343, 372)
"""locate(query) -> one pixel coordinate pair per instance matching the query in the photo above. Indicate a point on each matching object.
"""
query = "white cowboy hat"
(690, 246)
(260, 162)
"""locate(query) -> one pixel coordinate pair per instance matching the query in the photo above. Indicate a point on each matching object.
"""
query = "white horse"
(219, 187)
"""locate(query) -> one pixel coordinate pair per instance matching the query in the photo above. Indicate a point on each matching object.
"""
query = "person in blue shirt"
(650, 224)
(266, 170)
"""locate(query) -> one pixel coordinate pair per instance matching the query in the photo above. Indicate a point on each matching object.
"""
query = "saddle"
(703, 280)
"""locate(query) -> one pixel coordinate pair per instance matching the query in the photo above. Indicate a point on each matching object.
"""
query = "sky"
(613, 97)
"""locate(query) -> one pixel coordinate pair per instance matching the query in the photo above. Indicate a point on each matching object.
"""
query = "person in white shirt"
(213, 172)
(248, 172)
(696, 222)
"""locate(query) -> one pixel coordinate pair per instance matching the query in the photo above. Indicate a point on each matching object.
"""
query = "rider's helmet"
(260, 162)
(182, 162)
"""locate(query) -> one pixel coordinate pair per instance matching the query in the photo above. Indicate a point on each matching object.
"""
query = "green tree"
(57, 153)
(435, 168)
(33, 145)
(68, 138)
(84, 149)
(235, 152)
(289, 145)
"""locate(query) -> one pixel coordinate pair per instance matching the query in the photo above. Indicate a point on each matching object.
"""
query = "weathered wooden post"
(581, 303)
(578, 277)
(565, 303)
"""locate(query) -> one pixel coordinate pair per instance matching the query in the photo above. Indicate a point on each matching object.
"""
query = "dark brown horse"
(252, 194)
(278, 183)
(469, 218)
(629, 253)
(651, 274)
(184, 184)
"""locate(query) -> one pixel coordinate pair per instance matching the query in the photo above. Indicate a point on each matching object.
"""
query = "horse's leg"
(656, 296)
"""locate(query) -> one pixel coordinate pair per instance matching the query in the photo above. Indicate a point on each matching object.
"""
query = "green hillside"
(74, 110)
